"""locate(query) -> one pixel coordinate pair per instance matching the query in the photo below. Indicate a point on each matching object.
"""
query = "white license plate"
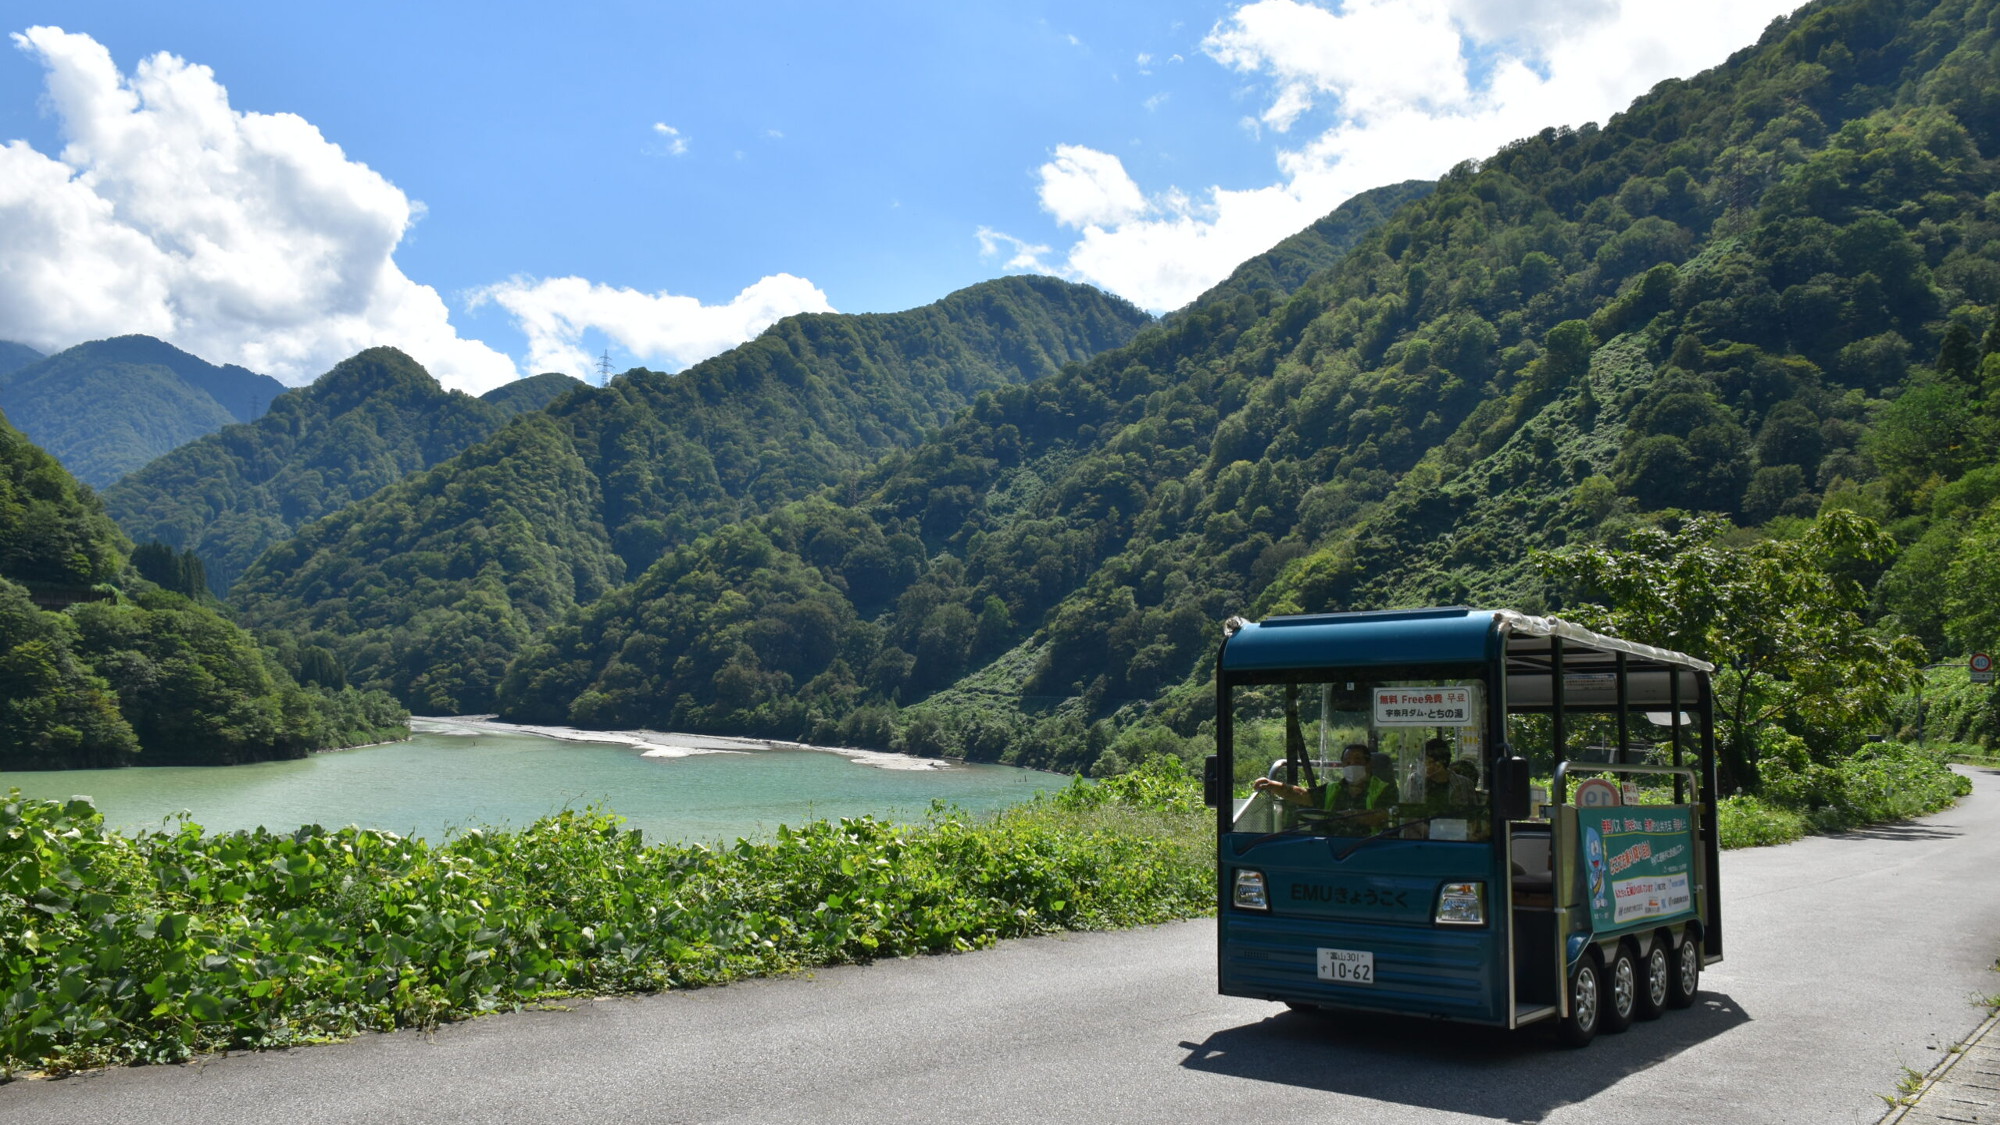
(1347, 966)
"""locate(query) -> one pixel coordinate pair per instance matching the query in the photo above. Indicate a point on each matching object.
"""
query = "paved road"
(1849, 958)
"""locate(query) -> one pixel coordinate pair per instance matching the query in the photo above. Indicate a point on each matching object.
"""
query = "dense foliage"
(1760, 293)
(429, 587)
(106, 407)
(119, 949)
(368, 423)
(1881, 782)
(136, 668)
(1782, 619)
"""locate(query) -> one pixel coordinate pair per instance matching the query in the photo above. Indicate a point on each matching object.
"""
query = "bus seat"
(1534, 884)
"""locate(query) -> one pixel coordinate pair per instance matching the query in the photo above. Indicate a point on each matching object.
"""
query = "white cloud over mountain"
(242, 237)
(251, 238)
(1402, 89)
(654, 327)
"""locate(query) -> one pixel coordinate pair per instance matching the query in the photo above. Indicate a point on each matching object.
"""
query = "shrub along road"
(1850, 957)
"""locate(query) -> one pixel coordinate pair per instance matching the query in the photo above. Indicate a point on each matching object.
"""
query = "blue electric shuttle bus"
(1474, 815)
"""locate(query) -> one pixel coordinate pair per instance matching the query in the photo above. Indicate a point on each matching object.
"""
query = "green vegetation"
(117, 949)
(1878, 784)
(429, 587)
(139, 665)
(368, 423)
(109, 406)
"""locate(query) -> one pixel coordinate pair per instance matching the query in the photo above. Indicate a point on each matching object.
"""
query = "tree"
(1781, 620)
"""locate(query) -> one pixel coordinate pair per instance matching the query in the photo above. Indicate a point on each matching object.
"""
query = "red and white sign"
(1981, 667)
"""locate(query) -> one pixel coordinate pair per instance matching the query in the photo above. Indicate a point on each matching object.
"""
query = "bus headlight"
(1250, 891)
(1462, 904)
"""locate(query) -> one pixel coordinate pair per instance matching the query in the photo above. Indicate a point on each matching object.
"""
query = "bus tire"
(1621, 990)
(1586, 1003)
(1656, 972)
(1685, 980)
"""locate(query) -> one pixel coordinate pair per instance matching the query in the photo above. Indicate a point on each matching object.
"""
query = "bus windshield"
(1362, 757)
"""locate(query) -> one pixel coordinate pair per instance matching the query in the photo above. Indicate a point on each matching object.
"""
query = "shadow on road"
(1519, 1076)
(1930, 830)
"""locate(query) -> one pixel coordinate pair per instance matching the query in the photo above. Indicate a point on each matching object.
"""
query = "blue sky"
(545, 182)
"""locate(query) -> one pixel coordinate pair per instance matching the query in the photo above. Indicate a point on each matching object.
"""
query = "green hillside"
(429, 587)
(15, 356)
(102, 667)
(525, 396)
(1761, 292)
(106, 407)
(371, 421)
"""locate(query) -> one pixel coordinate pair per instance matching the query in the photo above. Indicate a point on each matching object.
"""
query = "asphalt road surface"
(1849, 958)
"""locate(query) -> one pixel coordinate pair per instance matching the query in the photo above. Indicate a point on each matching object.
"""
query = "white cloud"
(1023, 255)
(1392, 88)
(1082, 187)
(670, 137)
(242, 237)
(657, 328)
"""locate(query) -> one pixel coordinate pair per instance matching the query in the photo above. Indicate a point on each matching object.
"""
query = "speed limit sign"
(1981, 667)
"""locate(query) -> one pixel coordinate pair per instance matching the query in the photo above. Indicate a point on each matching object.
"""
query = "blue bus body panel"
(1433, 636)
(1381, 900)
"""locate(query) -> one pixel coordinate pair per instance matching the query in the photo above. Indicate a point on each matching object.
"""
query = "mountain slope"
(371, 421)
(426, 587)
(1725, 299)
(525, 396)
(15, 356)
(106, 407)
(128, 672)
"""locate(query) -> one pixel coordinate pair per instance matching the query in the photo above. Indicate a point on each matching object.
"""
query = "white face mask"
(1354, 774)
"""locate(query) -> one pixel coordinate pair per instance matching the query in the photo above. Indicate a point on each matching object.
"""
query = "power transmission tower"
(604, 368)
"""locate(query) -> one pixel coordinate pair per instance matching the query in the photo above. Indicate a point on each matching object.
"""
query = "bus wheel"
(1586, 1004)
(1621, 990)
(1685, 980)
(1655, 979)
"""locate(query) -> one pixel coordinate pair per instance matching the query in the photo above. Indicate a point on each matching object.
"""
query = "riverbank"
(669, 744)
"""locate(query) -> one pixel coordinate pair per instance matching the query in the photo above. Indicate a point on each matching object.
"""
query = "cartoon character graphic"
(1593, 863)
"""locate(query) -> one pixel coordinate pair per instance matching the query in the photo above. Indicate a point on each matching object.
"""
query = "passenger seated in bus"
(1359, 800)
(1450, 794)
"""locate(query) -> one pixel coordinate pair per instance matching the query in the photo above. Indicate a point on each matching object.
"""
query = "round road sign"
(1981, 662)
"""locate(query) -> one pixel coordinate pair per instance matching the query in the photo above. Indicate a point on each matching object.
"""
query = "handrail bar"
(1563, 771)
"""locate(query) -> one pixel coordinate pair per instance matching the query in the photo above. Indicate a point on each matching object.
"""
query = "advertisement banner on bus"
(1638, 863)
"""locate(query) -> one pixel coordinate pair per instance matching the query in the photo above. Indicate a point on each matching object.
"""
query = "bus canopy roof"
(1424, 636)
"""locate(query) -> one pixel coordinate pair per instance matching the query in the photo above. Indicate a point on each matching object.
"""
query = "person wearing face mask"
(1360, 799)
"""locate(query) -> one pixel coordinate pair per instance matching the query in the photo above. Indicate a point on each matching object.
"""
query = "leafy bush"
(117, 949)
(1884, 781)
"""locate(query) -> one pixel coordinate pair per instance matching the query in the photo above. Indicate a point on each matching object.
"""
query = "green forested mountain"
(128, 671)
(15, 356)
(107, 407)
(1292, 262)
(1760, 292)
(524, 396)
(371, 421)
(429, 588)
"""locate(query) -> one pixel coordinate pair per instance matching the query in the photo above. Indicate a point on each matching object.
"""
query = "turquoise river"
(458, 773)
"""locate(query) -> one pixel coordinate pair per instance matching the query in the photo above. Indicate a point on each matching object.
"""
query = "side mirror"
(1211, 782)
(1510, 788)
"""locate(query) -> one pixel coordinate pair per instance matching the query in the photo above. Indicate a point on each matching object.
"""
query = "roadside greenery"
(1881, 783)
(120, 949)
